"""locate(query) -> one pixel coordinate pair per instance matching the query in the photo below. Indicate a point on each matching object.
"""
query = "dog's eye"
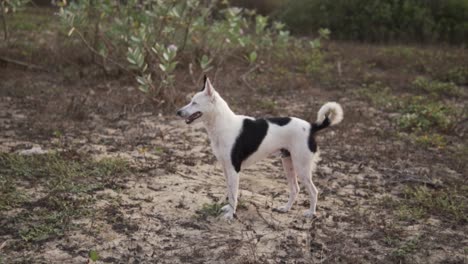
(194, 103)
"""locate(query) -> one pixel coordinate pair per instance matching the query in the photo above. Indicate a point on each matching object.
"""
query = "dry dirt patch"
(155, 213)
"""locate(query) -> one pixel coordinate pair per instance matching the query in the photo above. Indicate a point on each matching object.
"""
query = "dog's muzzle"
(192, 117)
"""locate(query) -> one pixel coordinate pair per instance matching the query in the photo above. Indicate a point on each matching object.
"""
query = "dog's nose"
(179, 112)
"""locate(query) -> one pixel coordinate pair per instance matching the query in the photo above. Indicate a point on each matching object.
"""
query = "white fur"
(223, 127)
(333, 111)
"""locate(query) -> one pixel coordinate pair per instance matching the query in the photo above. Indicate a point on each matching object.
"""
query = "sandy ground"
(153, 217)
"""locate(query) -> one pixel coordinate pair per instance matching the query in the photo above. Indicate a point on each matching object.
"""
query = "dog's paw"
(309, 214)
(228, 212)
(226, 208)
(282, 209)
(229, 216)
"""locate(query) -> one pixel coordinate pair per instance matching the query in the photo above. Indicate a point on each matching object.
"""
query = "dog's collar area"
(192, 117)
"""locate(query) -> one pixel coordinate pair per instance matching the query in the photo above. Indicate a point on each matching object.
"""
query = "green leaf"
(171, 66)
(93, 255)
(315, 44)
(166, 56)
(132, 61)
(253, 57)
(144, 88)
(141, 80)
(205, 62)
(71, 31)
(135, 39)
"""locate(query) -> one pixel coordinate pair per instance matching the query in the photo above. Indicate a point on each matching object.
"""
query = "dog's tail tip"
(331, 113)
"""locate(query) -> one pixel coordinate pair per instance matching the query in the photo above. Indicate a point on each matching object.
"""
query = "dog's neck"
(220, 118)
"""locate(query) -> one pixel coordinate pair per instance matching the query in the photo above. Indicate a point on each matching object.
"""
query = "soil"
(153, 217)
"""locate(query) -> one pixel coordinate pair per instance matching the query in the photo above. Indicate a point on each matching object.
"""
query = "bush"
(155, 37)
(436, 88)
(379, 20)
(421, 114)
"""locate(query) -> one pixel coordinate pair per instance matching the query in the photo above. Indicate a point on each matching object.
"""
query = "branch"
(244, 76)
(24, 64)
(5, 28)
(97, 53)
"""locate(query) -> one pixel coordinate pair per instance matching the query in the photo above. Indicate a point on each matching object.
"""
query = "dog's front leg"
(232, 182)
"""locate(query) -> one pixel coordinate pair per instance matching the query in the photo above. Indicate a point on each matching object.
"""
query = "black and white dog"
(239, 141)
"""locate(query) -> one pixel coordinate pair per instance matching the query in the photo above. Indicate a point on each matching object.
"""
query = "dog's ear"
(204, 83)
(208, 88)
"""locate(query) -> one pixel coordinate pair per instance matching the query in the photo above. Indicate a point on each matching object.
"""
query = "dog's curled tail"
(329, 114)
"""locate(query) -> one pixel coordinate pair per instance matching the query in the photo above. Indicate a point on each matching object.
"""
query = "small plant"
(421, 114)
(93, 255)
(436, 88)
(458, 75)
(67, 180)
(213, 209)
(450, 204)
(315, 57)
(408, 213)
(252, 57)
(431, 140)
(379, 94)
(406, 248)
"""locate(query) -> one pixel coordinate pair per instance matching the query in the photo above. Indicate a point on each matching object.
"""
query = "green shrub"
(156, 37)
(436, 88)
(379, 20)
(431, 140)
(421, 114)
(378, 94)
(457, 75)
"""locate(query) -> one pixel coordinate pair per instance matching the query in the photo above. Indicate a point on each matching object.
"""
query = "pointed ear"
(208, 88)
(204, 82)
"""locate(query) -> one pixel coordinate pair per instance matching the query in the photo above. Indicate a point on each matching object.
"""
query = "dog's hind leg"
(303, 167)
(292, 183)
(232, 181)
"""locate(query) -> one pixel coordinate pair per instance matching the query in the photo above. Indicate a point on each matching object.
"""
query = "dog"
(239, 141)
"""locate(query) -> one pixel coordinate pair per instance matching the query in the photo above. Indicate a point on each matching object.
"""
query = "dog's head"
(201, 105)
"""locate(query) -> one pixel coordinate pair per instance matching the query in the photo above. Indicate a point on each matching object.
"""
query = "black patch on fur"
(251, 136)
(285, 153)
(313, 129)
(326, 123)
(280, 121)
(311, 141)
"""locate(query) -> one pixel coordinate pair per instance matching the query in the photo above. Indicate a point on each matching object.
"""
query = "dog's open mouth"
(192, 117)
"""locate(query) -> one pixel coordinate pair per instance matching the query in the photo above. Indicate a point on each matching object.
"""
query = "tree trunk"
(5, 28)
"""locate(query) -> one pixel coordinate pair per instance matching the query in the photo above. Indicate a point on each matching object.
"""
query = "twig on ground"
(186, 177)
(24, 64)
(3, 244)
(416, 180)
(269, 224)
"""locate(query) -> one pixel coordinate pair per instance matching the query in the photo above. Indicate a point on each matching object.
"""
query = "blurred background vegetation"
(399, 67)
(381, 20)
(362, 20)
(422, 21)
